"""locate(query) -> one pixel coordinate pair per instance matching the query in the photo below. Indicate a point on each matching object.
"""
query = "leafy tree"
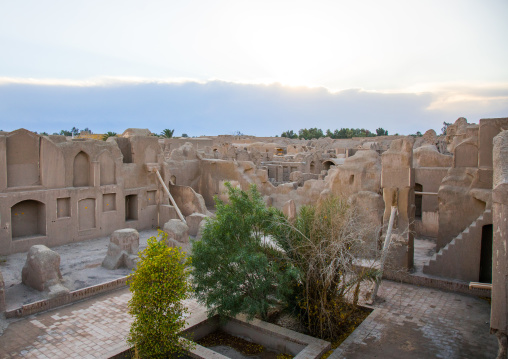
(311, 133)
(75, 131)
(185, 135)
(323, 243)
(445, 127)
(65, 133)
(44, 133)
(381, 132)
(159, 285)
(108, 135)
(167, 133)
(417, 134)
(289, 134)
(235, 267)
(88, 130)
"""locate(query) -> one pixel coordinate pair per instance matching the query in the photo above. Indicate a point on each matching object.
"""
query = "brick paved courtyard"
(412, 322)
(418, 322)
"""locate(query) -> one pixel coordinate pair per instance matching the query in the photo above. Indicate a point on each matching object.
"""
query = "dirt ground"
(80, 265)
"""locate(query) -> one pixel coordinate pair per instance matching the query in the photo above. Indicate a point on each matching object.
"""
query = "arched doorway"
(327, 165)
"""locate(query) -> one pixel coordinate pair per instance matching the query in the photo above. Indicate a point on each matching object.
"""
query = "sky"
(258, 67)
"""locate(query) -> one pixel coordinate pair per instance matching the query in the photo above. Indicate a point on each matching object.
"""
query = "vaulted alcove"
(81, 173)
(28, 219)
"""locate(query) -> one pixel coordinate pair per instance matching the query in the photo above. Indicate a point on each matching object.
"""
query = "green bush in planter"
(159, 285)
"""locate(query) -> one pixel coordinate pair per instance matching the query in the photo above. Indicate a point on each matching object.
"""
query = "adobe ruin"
(56, 190)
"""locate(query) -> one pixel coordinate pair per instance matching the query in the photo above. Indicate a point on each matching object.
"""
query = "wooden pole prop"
(385, 252)
(170, 196)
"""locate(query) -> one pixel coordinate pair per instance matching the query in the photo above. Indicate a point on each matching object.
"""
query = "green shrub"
(159, 285)
(236, 270)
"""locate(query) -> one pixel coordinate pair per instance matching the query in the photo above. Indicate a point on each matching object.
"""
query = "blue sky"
(259, 67)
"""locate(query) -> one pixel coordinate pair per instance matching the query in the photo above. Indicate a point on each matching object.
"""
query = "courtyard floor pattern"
(409, 322)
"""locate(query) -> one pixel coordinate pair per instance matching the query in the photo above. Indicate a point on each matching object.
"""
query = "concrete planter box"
(270, 336)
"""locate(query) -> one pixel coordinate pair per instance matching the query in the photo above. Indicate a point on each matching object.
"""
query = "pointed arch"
(81, 170)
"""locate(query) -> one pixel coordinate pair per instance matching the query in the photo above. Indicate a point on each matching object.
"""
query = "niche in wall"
(81, 173)
(23, 159)
(107, 168)
(63, 207)
(86, 213)
(28, 219)
(109, 202)
(131, 207)
(150, 198)
(124, 144)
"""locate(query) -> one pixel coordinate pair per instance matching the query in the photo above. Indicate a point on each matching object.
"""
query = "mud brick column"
(397, 182)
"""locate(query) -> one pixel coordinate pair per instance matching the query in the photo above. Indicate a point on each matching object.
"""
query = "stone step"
(434, 266)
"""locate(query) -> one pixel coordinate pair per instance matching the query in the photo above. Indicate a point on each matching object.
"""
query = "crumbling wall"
(467, 187)
(397, 181)
(361, 172)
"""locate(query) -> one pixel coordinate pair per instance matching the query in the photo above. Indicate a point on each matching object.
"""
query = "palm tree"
(167, 133)
(108, 135)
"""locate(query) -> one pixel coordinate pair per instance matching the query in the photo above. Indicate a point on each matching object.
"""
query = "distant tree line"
(315, 133)
(72, 132)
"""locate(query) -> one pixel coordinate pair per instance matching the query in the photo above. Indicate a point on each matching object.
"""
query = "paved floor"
(89, 329)
(417, 322)
(412, 322)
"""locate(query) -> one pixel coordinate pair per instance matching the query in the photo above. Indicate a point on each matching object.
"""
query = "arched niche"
(23, 154)
(312, 168)
(107, 169)
(28, 219)
(327, 165)
(81, 173)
